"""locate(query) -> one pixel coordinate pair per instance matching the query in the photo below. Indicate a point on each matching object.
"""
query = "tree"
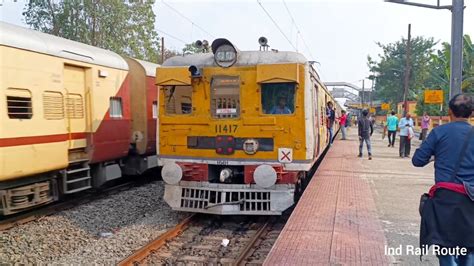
(125, 27)
(190, 48)
(440, 75)
(389, 71)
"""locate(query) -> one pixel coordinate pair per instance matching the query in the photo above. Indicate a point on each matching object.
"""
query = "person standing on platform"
(392, 123)
(425, 124)
(366, 129)
(342, 122)
(447, 215)
(406, 126)
(331, 117)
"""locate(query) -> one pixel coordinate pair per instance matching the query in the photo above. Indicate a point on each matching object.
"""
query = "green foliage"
(190, 48)
(429, 70)
(389, 72)
(125, 27)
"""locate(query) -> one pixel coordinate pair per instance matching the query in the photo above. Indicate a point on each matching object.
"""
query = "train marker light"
(250, 146)
(265, 176)
(171, 173)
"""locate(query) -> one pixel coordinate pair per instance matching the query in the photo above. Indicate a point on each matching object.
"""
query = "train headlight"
(171, 173)
(265, 176)
(250, 146)
(225, 54)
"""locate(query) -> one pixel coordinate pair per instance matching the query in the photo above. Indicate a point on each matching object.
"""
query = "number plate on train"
(225, 128)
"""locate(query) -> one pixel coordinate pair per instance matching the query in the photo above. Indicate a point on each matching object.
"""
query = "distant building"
(411, 108)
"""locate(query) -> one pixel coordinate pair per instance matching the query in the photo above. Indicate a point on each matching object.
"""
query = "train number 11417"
(225, 128)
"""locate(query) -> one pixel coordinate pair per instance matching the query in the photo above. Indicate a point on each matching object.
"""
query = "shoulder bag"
(469, 189)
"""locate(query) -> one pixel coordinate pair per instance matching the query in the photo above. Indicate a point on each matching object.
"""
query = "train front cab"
(224, 147)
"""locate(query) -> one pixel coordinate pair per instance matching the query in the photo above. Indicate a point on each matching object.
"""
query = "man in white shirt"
(405, 142)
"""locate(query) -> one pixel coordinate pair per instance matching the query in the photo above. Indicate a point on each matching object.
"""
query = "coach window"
(19, 104)
(115, 110)
(74, 106)
(53, 105)
(178, 100)
(278, 98)
(225, 96)
(154, 110)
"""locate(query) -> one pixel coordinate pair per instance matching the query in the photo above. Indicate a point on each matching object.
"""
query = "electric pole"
(457, 21)
(407, 72)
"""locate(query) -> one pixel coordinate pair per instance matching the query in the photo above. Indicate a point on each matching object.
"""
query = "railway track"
(73, 201)
(198, 239)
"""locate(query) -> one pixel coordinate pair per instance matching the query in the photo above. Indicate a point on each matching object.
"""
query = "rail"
(157, 243)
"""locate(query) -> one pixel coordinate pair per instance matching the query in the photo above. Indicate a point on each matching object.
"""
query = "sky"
(339, 34)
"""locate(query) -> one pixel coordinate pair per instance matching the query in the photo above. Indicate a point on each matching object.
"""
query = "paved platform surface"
(317, 235)
(336, 220)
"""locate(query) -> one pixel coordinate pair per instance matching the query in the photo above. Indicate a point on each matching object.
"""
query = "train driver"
(281, 108)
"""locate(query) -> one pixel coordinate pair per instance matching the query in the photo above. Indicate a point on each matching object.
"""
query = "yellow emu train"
(239, 131)
(72, 117)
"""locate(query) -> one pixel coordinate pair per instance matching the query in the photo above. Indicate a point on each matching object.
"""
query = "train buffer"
(342, 217)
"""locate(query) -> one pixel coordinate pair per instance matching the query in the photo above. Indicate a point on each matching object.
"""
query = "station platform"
(335, 222)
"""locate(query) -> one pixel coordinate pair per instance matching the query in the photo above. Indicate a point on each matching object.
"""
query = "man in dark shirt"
(448, 216)
(365, 131)
(331, 117)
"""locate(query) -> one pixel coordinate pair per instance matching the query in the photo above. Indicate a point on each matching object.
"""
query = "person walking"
(447, 216)
(406, 126)
(366, 129)
(342, 122)
(392, 123)
(425, 124)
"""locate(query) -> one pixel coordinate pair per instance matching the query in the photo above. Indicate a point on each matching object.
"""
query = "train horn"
(198, 44)
(263, 41)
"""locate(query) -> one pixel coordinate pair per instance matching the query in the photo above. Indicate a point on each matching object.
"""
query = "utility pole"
(162, 50)
(407, 72)
(457, 21)
(362, 97)
(371, 92)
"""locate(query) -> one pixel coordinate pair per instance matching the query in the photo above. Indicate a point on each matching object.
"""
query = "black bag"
(424, 197)
(469, 189)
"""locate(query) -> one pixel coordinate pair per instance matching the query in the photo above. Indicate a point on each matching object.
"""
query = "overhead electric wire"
(276, 24)
(298, 29)
(171, 36)
(188, 19)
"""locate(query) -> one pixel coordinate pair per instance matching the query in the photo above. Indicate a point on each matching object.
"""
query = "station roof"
(244, 58)
(27, 39)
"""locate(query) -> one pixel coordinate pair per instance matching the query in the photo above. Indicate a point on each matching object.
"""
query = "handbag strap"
(463, 152)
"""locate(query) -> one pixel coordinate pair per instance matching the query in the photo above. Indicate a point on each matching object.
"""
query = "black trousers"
(424, 133)
(405, 145)
(391, 137)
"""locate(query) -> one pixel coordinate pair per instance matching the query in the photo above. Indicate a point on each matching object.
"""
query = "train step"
(76, 177)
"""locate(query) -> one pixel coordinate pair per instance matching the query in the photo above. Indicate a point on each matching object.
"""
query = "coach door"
(317, 123)
(74, 86)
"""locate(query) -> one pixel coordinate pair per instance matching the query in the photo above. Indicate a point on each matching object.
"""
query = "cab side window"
(178, 100)
(278, 98)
